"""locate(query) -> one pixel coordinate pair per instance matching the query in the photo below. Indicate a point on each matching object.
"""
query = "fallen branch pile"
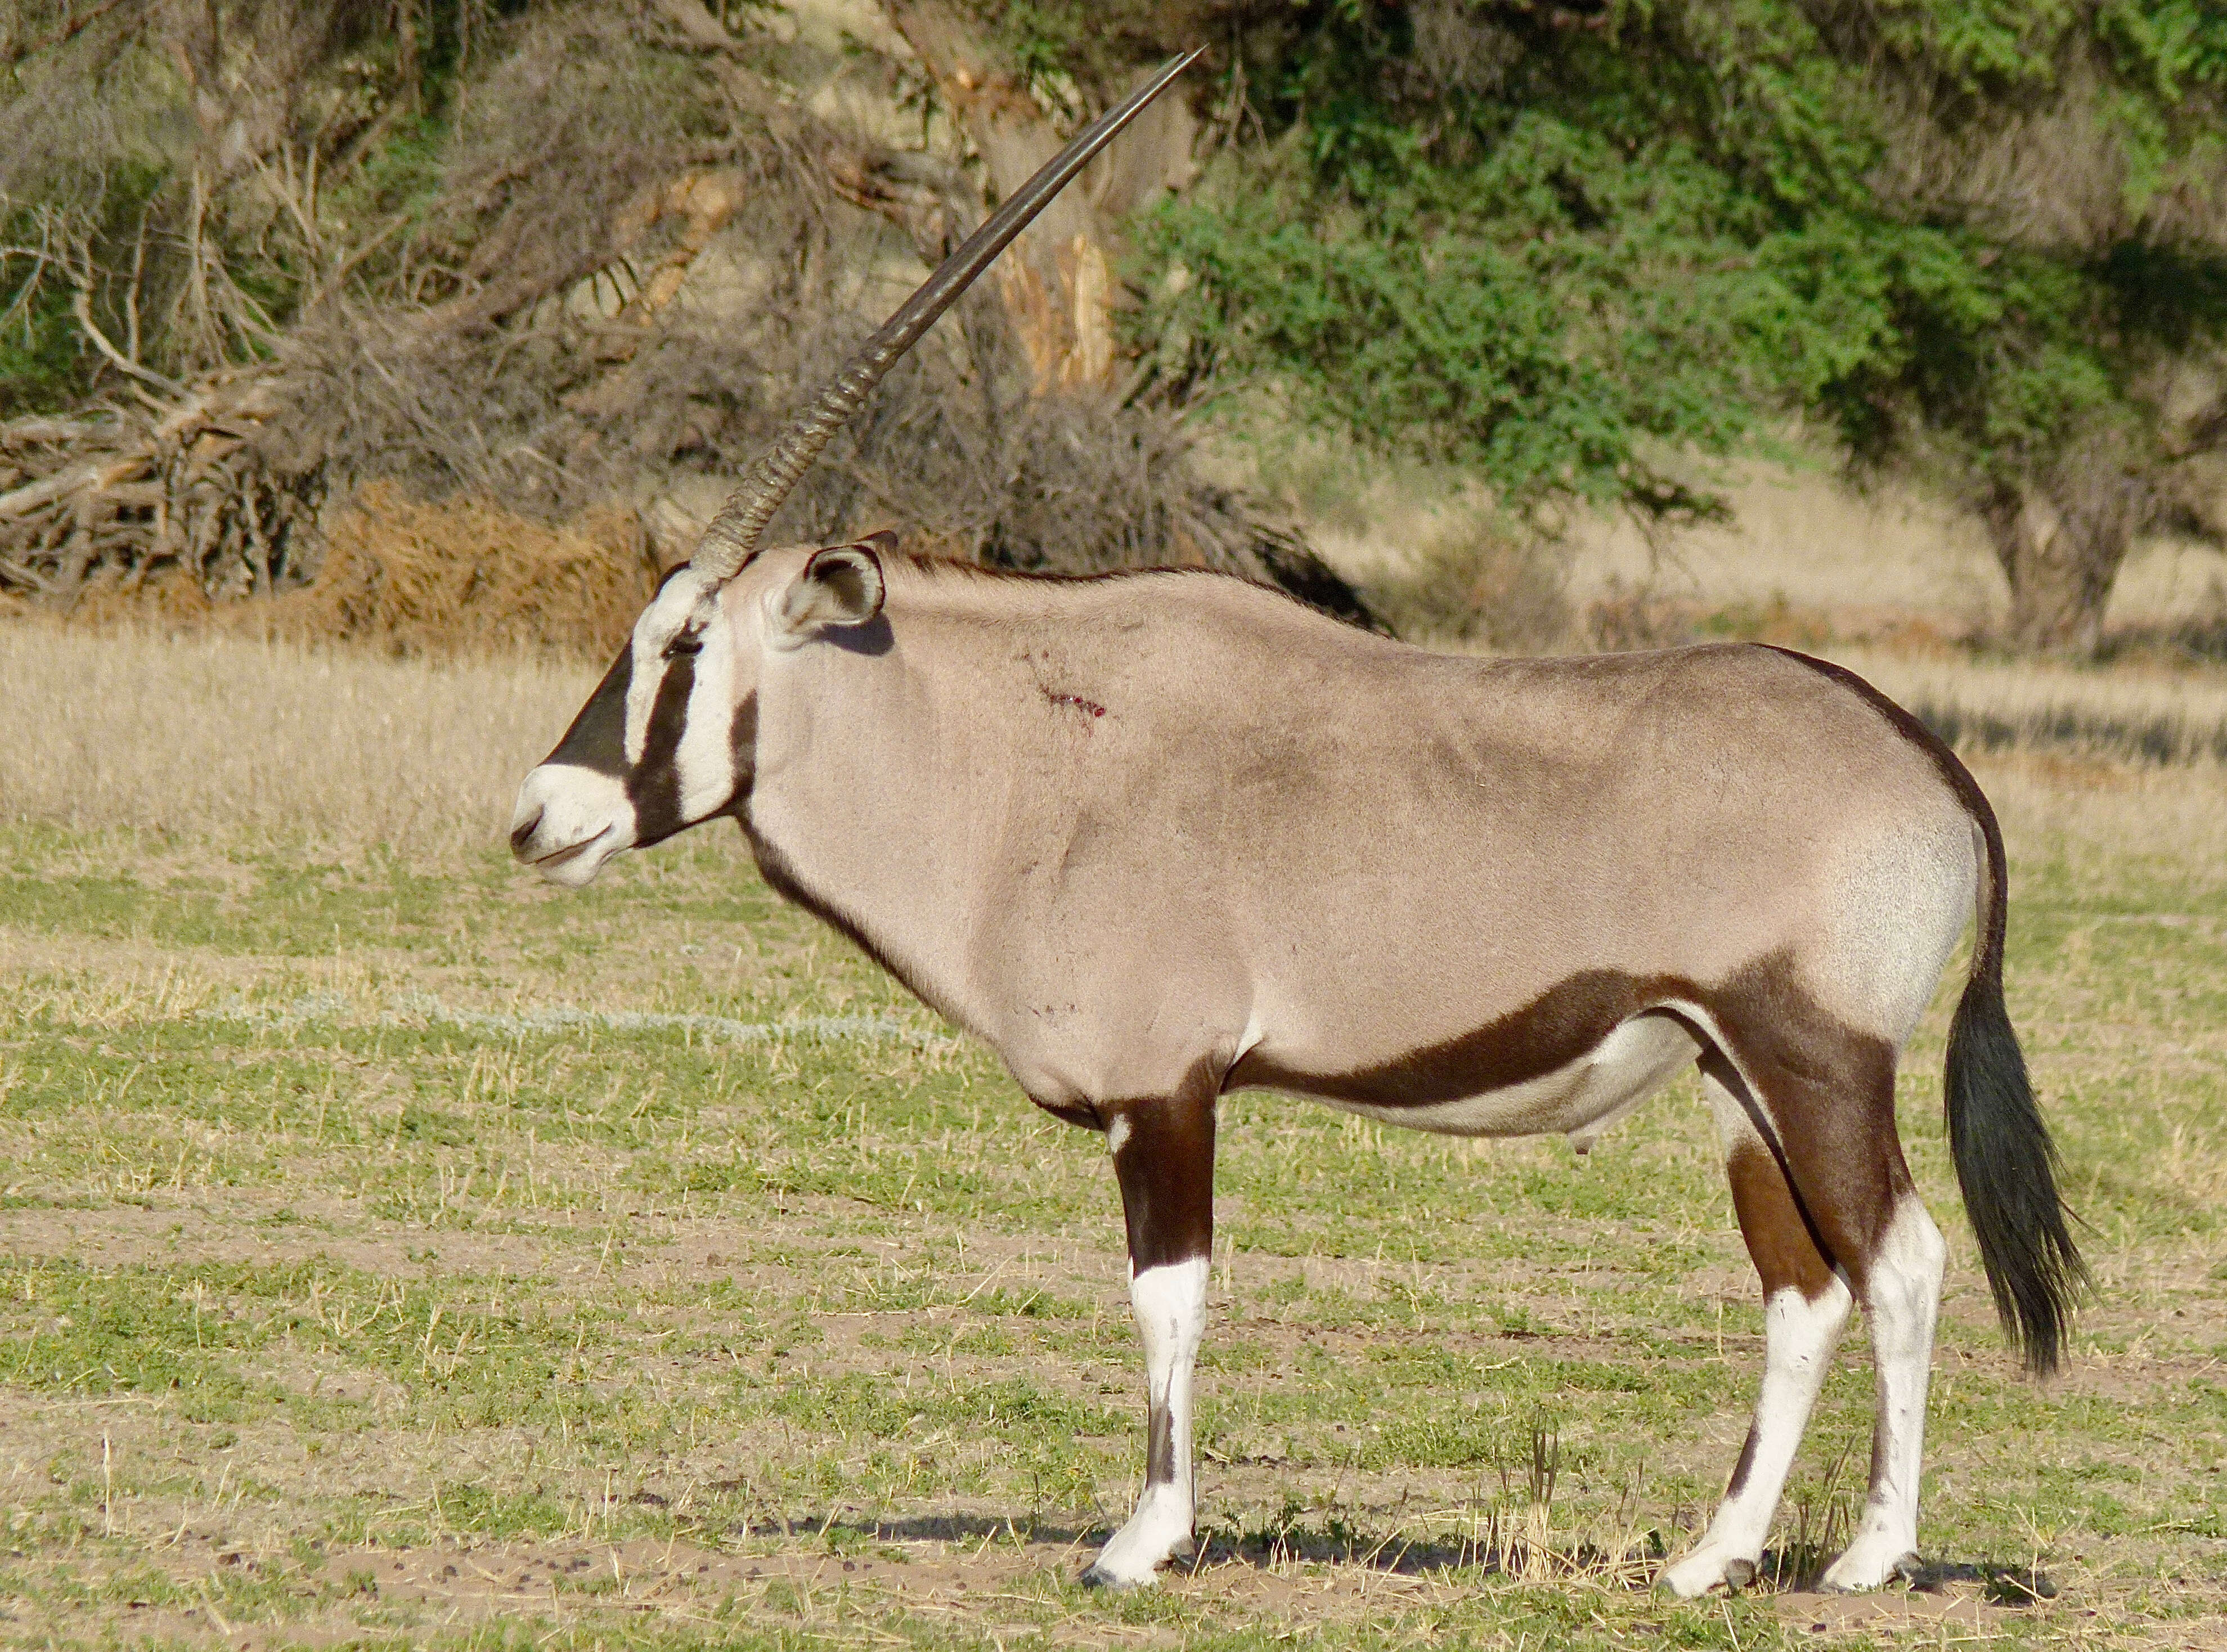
(641, 250)
(120, 494)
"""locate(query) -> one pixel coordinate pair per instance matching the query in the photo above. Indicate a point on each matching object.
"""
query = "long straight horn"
(733, 534)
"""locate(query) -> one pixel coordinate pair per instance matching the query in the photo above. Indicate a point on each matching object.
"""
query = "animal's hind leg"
(1805, 1306)
(1829, 1096)
(1825, 1096)
(1902, 1299)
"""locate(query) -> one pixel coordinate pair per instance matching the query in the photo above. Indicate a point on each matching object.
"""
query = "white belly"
(1579, 1100)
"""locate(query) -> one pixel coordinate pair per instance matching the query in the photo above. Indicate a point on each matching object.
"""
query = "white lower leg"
(1798, 1338)
(1170, 1303)
(1903, 1299)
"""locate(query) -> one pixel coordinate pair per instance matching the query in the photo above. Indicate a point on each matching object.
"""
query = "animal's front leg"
(1164, 1159)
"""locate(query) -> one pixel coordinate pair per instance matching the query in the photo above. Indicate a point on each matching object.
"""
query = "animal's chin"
(577, 865)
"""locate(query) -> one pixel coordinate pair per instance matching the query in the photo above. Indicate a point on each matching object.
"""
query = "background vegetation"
(559, 258)
(1576, 256)
(1577, 247)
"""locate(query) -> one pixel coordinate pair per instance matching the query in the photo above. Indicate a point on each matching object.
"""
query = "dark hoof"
(1738, 1574)
(1095, 1576)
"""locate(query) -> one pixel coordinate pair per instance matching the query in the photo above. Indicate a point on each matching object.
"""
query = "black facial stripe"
(654, 784)
(597, 739)
(743, 741)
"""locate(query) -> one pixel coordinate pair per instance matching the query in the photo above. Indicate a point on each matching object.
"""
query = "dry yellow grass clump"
(217, 734)
(468, 576)
(462, 577)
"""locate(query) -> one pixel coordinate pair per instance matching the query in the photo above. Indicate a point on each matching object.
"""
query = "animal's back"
(1376, 817)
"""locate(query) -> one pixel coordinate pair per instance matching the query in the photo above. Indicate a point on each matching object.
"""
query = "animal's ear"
(841, 585)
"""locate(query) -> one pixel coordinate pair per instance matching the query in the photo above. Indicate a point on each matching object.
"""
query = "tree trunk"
(2060, 558)
(1057, 281)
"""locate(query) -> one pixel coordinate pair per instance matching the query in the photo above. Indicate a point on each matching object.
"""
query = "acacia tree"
(1571, 244)
(2045, 265)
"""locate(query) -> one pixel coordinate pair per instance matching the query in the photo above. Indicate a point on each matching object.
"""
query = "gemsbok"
(1159, 836)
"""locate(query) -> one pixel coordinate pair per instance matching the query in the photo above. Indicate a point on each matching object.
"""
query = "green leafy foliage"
(1558, 247)
(1540, 313)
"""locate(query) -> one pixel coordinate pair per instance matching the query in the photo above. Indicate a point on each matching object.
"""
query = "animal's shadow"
(1218, 1548)
(1781, 1571)
(2000, 1584)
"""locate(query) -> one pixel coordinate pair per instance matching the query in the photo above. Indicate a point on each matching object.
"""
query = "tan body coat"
(1160, 837)
(1118, 827)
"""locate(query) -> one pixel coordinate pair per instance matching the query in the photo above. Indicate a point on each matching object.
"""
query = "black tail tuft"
(2005, 1162)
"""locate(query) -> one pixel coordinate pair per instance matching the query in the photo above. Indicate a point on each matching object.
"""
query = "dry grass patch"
(2121, 715)
(347, 1294)
(467, 576)
(226, 737)
(462, 578)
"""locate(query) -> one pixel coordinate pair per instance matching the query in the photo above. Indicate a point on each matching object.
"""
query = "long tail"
(2005, 1162)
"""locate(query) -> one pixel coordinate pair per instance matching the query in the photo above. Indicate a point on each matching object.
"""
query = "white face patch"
(635, 772)
(683, 607)
(687, 623)
(705, 759)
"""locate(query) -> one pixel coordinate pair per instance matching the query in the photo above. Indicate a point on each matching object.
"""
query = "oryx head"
(665, 740)
(668, 738)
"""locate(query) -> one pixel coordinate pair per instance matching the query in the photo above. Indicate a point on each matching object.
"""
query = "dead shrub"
(634, 255)
(466, 574)
(964, 461)
(404, 577)
(1474, 578)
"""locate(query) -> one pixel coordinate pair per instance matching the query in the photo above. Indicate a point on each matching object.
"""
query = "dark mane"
(1319, 590)
(936, 566)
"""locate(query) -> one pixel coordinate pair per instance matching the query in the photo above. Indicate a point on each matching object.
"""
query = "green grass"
(332, 1262)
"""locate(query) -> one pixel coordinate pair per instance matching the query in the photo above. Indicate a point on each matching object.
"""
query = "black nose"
(522, 834)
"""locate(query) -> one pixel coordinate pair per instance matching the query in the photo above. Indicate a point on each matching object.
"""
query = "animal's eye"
(688, 642)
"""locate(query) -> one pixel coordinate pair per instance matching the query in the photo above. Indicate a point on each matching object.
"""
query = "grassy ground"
(394, 1251)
